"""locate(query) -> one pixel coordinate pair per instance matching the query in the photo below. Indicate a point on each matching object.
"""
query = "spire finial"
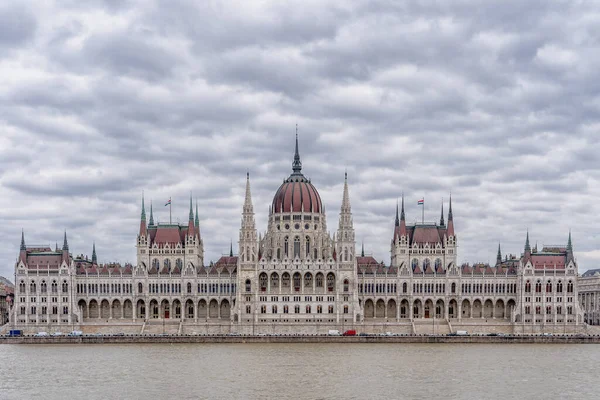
(65, 244)
(197, 221)
(402, 209)
(450, 209)
(499, 255)
(151, 222)
(94, 258)
(570, 243)
(143, 208)
(527, 246)
(297, 164)
(362, 250)
(191, 209)
(231, 248)
(442, 214)
(23, 247)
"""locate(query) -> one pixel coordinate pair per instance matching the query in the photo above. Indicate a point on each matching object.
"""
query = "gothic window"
(308, 247)
(65, 287)
(453, 287)
(248, 309)
(279, 254)
(297, 282)
(167, 264)
(559, 287)
(549, 287)
(54, 287)
(140, 288)
(570, 287)
(330, 282)
(308, 309)
(274, 281)
(527, 287)
(285, 247)
(156, 264)
(319, 280)
(297, 309)
(32, 287)
(426, 264)
(346, 284)
(415, 263)
(345, 309)
(345, 254)
(274, 309)
(285, 280)
(285, 309)
(315, 256)
(44, 287)
(404, 287)
(308, 280)
(248, 285)
(263, 282)
(179, 264)
(538, 287)
(22, 287)
(248, 253)
(438, 264)
(296, 247)
(189, 287)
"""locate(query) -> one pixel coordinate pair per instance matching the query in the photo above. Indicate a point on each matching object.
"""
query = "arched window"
(179, 264)
(296, 247)
(286, 247)
(167, 264)
(54, 287)
(297, 309)
(549, 287)
(345, 254)
(415, 263)
(285, 280)
(426, 264)
(330, 282)
(248, 285)
(278, 253)
(307, 246)
(140, 288)
(319, 280)
(32, 287)
(438, 264)
(189, 287)
(570, 287)
(315, 252)
(538, 286)
(346, 284)
(22, 287)
(274, 309)
(527, 287)
(453, 287)
(65, 287)
(263, 282)
(297, 282)
(44, 287)
(247, 253)
(285, 309)
(156, 264)
(308, 280)
(308, 309)
(559, 287)
(404, 287)
(274, 281)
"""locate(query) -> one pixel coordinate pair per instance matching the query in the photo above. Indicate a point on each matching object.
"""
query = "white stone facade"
(297, 278)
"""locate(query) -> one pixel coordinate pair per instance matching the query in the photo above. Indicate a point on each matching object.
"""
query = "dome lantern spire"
(297, 164)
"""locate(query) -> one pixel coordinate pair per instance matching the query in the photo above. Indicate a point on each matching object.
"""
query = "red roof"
(297, 194)
(548, 261)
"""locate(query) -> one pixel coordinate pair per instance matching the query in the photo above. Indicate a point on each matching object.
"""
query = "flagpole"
(170, 204)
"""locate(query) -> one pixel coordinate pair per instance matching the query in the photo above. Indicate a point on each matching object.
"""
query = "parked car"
(15, 332)
(349, 332)
(333, 332)
(58, 334)
(76, 333)
(41, 334)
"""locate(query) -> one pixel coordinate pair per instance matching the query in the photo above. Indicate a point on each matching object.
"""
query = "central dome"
(296, 193)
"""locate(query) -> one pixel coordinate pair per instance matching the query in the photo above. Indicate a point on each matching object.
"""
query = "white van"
(462, 333)
(76, 333)
(41, 334)
(333, 332)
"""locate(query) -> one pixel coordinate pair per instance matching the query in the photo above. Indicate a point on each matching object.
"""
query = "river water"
(300, 371)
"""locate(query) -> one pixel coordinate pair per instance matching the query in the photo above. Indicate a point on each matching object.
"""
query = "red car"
(350, 332)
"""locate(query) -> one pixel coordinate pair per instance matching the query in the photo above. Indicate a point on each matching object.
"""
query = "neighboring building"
(6, 299)
(295, 277)
(589, 296)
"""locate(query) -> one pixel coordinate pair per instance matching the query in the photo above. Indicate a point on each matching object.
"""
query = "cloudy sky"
(496, 103)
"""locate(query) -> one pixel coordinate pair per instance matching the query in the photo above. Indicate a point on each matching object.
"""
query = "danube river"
(299, 371)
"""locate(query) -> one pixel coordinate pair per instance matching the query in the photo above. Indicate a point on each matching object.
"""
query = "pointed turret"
(94, 257)
(231, 249)
(345, 233)
(499, 256)
(65, 250)
(362, 250)
(403, 231)
(23, 249)
(151, 222)
(442, 215)
(527, 246)
(248, 244)
(191, 219)
(197, 220)
(143, 227)
(65, 243)
(297, 164)
(569, 248)
(397, 222)
(346, 197)
(450, 219)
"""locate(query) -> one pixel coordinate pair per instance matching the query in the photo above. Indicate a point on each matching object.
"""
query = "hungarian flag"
(419, 203)
(168, 203)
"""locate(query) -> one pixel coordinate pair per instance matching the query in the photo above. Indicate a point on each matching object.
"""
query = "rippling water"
(299, 371)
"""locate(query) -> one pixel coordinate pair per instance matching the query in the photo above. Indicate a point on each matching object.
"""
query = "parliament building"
(297, 278)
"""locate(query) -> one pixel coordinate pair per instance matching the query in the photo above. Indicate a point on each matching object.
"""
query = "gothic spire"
(23, 247)
(362, 250)
(297, 164)
(346, 196)
(450, 218)
(94, 257)
(197, 221)
(527, 246)
(65, 244)
(402, 218)
(143, 208)
(151, 222)
(248, 208)
(397, 223)
(569, 244)
(191, 210)
(231, 248)
(442, 214)
(499, 256)
(450, 210)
